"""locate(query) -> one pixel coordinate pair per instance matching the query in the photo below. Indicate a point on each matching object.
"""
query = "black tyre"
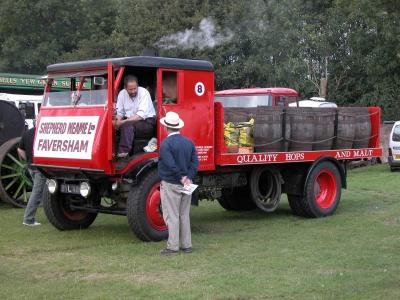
(144, 210)
(237, 199)
(15, 181)
(296, 205)
(62, 216)
(322, 190)
(266, 188)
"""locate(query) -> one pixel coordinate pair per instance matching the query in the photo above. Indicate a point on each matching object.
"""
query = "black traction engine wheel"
(144, 211)
(15, 180)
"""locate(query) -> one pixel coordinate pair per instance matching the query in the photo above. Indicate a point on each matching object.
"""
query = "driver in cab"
(135, 114)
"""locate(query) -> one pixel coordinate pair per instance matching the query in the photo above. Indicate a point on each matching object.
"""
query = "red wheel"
(322, 191)
(153, 208)
(325, 189)
(144, 209)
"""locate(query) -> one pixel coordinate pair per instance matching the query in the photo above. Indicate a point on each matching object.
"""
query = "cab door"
(189, 94)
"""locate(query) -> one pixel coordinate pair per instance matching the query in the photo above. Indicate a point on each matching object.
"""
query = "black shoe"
(187, 250)
(167, 251)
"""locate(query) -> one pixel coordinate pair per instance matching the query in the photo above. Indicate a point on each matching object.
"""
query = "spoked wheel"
(15, 180)
(266, 187)
(322, 191)
(57, 208)
(144, 210)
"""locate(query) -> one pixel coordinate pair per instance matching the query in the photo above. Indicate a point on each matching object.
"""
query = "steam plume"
(205, 37)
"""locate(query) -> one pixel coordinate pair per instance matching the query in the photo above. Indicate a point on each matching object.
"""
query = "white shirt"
(140, 105)
(173, 133)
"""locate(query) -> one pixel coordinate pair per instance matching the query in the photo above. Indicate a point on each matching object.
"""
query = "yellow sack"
(231, 134)
(239, 133)
(246, 137)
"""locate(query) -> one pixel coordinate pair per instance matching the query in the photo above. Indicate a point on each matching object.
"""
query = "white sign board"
(65, 137)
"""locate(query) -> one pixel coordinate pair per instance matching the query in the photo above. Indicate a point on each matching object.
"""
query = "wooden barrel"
(268, 129)
(346, 129)
(301, 122)
(324, 128)
(362, 127)
(354, 128)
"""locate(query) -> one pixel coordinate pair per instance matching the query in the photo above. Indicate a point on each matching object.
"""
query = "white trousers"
(176, 210)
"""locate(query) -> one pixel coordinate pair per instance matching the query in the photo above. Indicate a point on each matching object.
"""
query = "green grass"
(354, 254)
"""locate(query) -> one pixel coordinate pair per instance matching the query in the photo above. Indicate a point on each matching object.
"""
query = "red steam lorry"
(76, 142)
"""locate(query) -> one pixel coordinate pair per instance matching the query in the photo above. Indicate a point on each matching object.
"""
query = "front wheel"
(61, 215)
(144, 210)
(322, 190)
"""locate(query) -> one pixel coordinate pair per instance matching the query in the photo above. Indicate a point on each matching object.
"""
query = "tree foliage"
(354, 44)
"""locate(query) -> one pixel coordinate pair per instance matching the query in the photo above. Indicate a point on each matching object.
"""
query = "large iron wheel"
(15, 180)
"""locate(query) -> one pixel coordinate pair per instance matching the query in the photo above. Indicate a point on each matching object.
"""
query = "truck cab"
(87, 110)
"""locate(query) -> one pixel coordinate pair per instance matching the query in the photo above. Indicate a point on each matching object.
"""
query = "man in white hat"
(177, 166)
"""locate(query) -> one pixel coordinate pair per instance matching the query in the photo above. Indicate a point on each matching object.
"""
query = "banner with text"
(66, 137)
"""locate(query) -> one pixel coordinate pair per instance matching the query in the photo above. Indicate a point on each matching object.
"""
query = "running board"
(103, 210)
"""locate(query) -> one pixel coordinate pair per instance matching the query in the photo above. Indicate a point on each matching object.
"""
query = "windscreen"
(245, 100)
(77, 91)
(285, 100)
(396, 134)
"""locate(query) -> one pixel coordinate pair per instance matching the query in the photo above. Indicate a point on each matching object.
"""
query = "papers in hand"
(189, 189)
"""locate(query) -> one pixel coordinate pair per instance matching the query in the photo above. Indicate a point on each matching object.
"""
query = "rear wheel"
(15, 180)
(57, 208)
(237, 199)
(322, 190)
(144, 209)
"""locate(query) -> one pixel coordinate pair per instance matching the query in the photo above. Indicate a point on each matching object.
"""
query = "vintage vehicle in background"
(394, 147)
(302, 152)
(314, 102)
(20, 100)
(253, 97)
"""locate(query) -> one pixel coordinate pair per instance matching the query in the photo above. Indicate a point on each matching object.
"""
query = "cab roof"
(257, 91)
(133, 61)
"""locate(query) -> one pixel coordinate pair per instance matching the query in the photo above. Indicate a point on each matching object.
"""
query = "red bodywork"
(203, 125)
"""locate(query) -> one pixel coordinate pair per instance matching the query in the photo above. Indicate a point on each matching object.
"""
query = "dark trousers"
(143, 128)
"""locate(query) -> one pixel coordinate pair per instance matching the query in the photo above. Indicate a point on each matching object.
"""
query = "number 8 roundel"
(199, 89)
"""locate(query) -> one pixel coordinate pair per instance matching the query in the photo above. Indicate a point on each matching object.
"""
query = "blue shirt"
(178, 158)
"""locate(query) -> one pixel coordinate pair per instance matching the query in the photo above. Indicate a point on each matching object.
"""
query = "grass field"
(354, 254)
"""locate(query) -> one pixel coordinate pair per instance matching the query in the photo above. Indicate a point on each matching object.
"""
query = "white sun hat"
(172, 120)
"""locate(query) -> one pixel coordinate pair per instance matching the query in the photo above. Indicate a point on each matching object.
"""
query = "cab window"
(169, 88)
